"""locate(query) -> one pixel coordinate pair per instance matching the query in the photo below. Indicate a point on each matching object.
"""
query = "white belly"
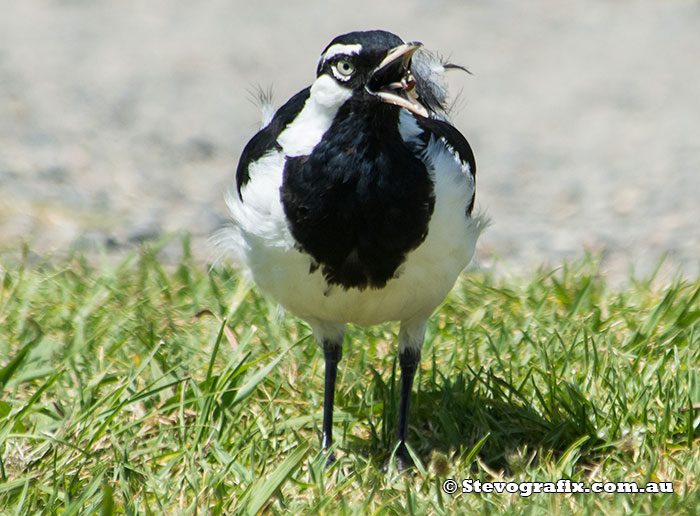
(423, 281)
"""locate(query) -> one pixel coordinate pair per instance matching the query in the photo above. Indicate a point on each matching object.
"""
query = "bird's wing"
(266, 139)
(454, 142)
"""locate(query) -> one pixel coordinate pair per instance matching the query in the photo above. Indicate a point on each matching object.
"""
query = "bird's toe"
(402, 460)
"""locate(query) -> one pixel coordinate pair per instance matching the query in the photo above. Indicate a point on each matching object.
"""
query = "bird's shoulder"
(445, 135)
(265, 140)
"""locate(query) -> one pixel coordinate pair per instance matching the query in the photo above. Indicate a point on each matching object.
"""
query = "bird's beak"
(393, 82)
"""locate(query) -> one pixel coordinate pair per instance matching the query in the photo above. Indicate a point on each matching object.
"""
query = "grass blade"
(266, 486)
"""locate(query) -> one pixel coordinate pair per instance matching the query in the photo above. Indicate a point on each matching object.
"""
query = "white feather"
(267, 114)
(340, 49)
(325, 98)
(409, 128)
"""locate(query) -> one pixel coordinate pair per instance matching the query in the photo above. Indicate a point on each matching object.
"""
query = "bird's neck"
(373, 119)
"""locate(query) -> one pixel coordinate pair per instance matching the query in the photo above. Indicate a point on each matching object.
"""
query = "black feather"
(361, 200)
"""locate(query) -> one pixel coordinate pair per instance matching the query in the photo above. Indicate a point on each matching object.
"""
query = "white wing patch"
(410, 133)
(409, 129)
(466, 167)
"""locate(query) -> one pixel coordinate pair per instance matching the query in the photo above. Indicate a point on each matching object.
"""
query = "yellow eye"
(344, 68)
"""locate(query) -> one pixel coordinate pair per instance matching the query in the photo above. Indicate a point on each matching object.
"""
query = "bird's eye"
(344, 68)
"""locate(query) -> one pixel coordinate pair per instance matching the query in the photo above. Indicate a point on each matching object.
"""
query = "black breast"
(360, 201)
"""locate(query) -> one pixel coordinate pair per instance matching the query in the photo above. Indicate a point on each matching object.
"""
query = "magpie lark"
(353, 203)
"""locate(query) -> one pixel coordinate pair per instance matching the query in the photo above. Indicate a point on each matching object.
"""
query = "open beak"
(393, 82)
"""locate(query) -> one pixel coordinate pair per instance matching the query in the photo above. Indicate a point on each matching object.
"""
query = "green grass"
(123, 392)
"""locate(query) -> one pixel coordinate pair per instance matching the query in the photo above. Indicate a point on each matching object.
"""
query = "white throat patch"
(305, 132)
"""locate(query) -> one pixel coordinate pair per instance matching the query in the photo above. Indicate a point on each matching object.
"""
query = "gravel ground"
(123, 120)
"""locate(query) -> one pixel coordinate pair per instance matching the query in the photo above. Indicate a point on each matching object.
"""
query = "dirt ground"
(123, 120)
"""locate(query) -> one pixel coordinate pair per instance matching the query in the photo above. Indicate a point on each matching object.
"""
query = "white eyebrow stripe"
(339, 48)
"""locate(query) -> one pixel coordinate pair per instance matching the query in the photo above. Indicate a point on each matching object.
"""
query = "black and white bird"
(353, 203)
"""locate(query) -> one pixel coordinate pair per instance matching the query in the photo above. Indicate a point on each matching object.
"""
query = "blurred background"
(122, 121)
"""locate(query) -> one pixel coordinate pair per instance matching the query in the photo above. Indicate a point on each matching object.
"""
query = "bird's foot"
(402, 459)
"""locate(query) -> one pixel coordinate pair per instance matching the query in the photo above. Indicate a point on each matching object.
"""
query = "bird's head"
(372, 66)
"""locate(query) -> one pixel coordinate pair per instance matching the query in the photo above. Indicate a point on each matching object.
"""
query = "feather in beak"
(393, 82)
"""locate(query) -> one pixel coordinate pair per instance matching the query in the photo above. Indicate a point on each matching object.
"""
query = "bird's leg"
(408, 362)
(333, 352)
(410, 344)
